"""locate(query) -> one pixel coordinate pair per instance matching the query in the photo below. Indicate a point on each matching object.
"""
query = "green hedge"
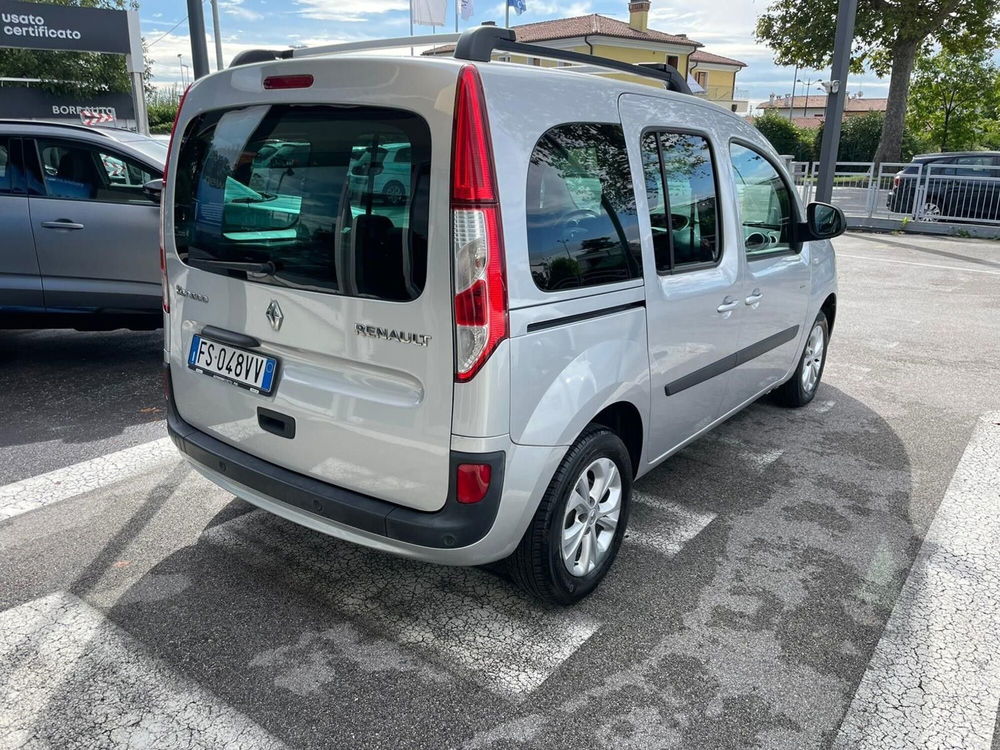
(161, 117)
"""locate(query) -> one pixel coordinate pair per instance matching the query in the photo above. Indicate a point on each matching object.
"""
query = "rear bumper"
(273, 487)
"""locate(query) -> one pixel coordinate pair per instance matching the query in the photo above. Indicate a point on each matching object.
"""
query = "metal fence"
(956, 193)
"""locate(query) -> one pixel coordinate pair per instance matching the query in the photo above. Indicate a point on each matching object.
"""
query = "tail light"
(895, 181)
(477, 240)
(472, 482)
(164, 282)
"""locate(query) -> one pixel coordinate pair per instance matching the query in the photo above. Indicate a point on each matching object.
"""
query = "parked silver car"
(80, 233)
(585, 276)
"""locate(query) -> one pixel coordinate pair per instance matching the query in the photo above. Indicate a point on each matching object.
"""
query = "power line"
(167, 32)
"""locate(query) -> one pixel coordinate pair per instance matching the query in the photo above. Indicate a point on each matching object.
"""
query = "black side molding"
(731, 361)
(541, 325)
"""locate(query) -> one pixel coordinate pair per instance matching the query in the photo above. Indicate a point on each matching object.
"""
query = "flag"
(517, 5)
(429, 12)
(468, 9)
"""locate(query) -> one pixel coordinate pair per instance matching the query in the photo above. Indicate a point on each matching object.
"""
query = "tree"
(859, 138)
(85, 73)
(888, 35)
(784, 136)
(953, 97)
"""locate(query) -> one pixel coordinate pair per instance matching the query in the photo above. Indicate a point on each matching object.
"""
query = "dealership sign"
(63, 27)
(73, 29)
(38, 104)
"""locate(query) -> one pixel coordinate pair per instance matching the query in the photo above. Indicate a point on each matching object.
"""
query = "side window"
(581, 212)
(84, 172)
(764, 201)
(683, 203)
(6, 165)
(974, 166)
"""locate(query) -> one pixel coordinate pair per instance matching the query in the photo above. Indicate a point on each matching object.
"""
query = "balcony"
(727, 98)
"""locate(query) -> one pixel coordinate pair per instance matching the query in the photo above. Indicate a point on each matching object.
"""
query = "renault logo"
(274, 315)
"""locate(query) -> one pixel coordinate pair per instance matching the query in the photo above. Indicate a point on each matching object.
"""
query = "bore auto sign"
(38, 26)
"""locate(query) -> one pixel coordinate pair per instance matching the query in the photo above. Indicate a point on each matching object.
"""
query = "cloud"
(235, 8)
(350, 11)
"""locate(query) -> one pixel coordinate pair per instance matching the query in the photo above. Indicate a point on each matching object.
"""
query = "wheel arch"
(829, 309)
(624, 419)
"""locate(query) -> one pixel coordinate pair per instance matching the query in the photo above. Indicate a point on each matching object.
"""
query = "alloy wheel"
(591, 517)
(812, 358)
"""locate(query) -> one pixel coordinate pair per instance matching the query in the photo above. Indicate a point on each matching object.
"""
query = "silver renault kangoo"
(579, 276)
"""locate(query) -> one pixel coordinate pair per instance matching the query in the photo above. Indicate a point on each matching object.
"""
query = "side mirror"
(824, 222)
(154, 190)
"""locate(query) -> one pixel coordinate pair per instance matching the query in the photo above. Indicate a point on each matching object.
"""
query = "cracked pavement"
(819, 578)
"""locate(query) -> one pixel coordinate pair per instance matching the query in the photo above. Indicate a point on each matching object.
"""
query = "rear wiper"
(267, 267)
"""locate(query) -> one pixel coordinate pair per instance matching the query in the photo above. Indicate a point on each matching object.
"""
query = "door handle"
(62, 224)
(755, 297)
(728, 305)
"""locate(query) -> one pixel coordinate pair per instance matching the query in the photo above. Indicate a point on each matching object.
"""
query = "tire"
(538, 565)
(394, 193)
(801, 388)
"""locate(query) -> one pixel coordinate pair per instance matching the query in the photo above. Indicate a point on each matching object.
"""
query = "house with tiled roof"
(712, 76)
(808, 111)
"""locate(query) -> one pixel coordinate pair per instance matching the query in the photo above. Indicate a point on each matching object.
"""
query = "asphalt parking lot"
(823, 577)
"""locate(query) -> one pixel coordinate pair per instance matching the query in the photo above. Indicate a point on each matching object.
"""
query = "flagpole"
(411, 25)
(456, 15)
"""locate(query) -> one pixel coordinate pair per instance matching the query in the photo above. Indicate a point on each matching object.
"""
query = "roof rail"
(478, 45)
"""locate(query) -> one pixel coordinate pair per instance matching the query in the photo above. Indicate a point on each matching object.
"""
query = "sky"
(725, 28)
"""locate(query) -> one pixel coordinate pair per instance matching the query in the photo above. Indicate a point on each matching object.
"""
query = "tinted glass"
(6, 165)
(683, 205)
(80, 171)
(308, 195)
(581, 213)
(764, 202)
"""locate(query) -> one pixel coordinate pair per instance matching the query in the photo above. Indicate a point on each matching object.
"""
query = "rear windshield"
(329, 199)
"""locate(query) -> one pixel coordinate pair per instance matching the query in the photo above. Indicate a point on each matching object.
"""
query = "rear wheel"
(578, 527)
(800, 389)
(394, 193)
(931, 210)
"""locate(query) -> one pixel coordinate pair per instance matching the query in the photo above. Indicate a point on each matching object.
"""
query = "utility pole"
(217, 35)
(199, 49)
(836, 91)
(791, 104)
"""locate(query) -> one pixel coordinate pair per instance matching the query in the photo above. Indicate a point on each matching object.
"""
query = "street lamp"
(180, 62)
(806, 84)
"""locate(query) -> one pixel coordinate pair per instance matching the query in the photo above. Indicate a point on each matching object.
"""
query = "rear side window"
(683, 203)
(307, 197)
(581, 212)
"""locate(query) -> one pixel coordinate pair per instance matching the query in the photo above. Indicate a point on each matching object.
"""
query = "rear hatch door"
(283, 240)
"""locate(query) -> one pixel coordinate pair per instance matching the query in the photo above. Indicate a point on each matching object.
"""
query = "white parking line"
(70, 481)
(70, 678)
(915, 263)
(934, 679)
(463, 618)
(668, 527)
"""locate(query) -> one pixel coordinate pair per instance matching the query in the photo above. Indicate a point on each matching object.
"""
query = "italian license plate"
(254, 372)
